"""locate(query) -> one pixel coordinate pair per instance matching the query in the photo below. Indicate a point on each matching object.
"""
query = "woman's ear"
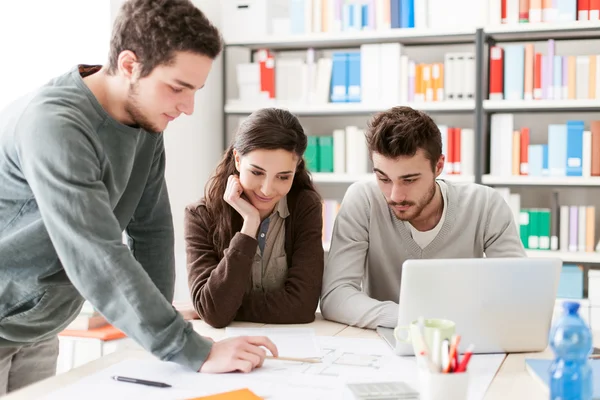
(236, 159)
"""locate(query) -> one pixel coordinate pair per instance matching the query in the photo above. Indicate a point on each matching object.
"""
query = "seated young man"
(407, 214)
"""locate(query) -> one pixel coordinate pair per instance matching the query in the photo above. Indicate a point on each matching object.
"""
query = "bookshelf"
(565, 256)
(348, 40)
(540, 105)
(323, 177)
(480, 106)
(573, 181)
(538, 116)
(541, 31)
(579, 257)
(331, 109)
(406, 36)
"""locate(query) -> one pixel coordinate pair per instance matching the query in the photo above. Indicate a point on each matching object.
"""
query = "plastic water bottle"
(571, 370)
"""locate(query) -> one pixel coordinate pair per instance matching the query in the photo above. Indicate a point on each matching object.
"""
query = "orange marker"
(452, 354)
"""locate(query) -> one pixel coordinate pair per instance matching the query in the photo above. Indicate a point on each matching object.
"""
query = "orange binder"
(438, 81)
(242, 394)
(592, 78)
(528, 92)
(590, 228)
(537, 77)
(427, 82)
(419, 83)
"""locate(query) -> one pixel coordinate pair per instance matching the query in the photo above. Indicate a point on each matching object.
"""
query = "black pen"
(141, 381)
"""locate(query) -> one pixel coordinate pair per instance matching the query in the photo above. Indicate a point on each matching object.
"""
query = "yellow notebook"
(241, 394)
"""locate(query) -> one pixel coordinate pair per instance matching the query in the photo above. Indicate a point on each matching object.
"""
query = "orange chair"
(101, 336)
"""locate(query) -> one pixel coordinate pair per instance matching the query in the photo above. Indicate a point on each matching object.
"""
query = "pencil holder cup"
(439, 386)
(409, 334)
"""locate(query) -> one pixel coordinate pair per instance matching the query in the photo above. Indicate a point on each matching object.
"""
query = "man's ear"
(439, 166)
(128, 65)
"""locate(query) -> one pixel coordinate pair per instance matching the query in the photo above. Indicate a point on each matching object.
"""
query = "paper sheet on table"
(344, 360)
(290, 342)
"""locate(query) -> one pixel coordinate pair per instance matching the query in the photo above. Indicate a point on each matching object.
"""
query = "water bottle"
(571, 370)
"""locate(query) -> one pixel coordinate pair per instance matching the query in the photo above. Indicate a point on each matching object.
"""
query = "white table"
(512, 381)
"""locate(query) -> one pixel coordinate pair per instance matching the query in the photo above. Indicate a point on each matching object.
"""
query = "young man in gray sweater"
(407, 214)
(81, 160)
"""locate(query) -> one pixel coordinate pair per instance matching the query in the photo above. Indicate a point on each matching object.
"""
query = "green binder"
(311, 155)
(534, 236)
(524, 227)
(544, 228)
(325, 154)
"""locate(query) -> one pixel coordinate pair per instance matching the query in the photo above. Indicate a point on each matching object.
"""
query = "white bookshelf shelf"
(458, 178)
(325, 177)
(567, 256)
(236, 107)
(349, 39)
(541, 105)
(540, 181)
(542, 31)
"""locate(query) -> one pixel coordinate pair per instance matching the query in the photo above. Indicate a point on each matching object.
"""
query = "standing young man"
(407, 214)
(82, 160)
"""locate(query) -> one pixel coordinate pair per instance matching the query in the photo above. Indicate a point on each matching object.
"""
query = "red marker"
(462, 367)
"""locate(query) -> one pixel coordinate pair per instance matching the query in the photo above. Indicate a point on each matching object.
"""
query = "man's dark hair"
(155, 29)
(401, 131)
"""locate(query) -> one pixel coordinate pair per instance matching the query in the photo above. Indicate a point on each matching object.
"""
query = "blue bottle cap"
(571, 307)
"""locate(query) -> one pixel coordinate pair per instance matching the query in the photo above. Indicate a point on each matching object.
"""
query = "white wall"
(40, 39)
(194, 147)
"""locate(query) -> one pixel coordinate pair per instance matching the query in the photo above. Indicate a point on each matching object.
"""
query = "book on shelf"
(568, 228)
(570, 284)
(330, 210)
(374, 74)
(518, 72)
(571, 149)
(537, 11)
(331, 16)
(345, 151)
(272, 18)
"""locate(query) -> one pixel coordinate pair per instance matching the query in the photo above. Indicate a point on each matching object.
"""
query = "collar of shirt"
(282, 208)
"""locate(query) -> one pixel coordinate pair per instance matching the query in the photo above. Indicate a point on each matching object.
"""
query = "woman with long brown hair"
(254, 242)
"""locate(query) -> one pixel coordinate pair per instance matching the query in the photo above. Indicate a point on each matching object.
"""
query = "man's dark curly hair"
(155, 29)
(402, 131)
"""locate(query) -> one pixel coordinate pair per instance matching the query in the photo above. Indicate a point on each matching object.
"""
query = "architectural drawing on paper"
(334, 363)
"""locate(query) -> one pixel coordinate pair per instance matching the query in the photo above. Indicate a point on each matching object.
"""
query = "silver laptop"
(498, 304)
